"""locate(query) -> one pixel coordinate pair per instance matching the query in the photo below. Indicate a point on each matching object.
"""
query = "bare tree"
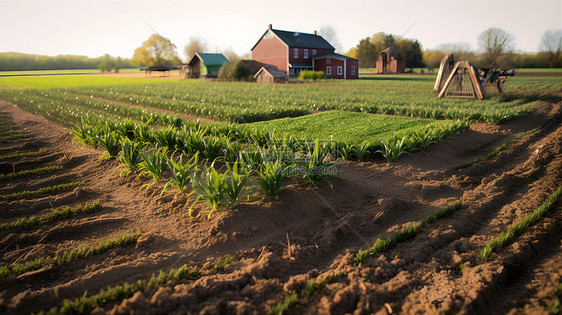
(194, 45)
(495, 43)
(329, 34)
(551, 43)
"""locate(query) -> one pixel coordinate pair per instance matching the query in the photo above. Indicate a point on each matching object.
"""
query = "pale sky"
(95, 27)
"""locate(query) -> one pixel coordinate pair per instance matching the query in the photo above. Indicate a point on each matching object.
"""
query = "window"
(328, 70)
(314, 52)
(328, 60)
(340, 72)
(295, 53)
(352, 70)
(305, 54)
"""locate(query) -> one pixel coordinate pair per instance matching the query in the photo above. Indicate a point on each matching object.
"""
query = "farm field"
(395, 209)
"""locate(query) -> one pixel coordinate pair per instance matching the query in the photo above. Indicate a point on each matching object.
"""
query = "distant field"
(57, 72)
(68, 81)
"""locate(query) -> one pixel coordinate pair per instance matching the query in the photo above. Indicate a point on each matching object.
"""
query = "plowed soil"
(438, 271)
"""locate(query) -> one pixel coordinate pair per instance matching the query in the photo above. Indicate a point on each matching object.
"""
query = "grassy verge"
(18, 153)
(55, 215)
(112, 294)
(44, 190)
(513, 231)
(67, 256)
(482, 158)
(35, 171)
(407, 233)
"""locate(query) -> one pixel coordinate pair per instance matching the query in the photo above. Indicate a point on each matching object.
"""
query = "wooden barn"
(336, 66)
(390, 61)
(205, 65)
(270, 74)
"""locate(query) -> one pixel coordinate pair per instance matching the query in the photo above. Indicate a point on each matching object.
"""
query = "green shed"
(206, 65)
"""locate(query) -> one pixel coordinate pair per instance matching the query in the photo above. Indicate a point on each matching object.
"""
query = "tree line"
(496, 49)
(13, 61)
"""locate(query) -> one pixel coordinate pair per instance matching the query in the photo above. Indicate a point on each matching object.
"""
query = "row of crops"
(247, 102)
(219, 163)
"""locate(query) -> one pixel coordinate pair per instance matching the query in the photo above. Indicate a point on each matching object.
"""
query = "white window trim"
(352, 70)
(329, 70)
(305, 54)
(340, 70)
(295, 53)
(314, 52)
(328, 60)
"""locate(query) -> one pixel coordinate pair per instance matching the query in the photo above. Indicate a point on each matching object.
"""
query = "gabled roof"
(210, 59)
(332, 55)
(276, 73)
(298, 39)
(391, 51)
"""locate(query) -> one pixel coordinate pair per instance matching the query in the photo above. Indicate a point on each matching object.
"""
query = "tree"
(156, 51)
(366, 53)
(410, 51)
(432, 58)
(496, 43)
(329, 34)
(551, 44)
(195, 45)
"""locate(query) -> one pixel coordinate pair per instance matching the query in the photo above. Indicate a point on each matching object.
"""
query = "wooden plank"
(478, 89)
(448, 82)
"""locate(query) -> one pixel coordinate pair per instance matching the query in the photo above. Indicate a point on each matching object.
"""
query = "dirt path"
(438, 271)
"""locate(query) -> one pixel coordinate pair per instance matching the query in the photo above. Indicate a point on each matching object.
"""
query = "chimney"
(315, 32)
(269, 27)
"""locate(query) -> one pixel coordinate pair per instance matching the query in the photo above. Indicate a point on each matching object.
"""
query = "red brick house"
(293, 52)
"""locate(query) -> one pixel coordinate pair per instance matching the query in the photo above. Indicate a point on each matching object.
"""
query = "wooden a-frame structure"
(458, 79)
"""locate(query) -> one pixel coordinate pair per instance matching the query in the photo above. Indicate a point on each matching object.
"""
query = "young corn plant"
(211, 187)
(316, 166)
(393, 149)
(235, 184)
(130, 155)
(212, 147)
(272, 176)
(110, 141)
(153, 164)
(182, 173)
(361, 151)
(345, 151)
(85, 134)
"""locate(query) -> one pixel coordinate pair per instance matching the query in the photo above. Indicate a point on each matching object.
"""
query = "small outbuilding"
(270, 74)
(205, 65)
(336, 66)
(390, 61)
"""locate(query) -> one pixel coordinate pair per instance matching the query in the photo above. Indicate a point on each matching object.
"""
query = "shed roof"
(298, 39)
(276, 73)
(210, 59)
(392, 51)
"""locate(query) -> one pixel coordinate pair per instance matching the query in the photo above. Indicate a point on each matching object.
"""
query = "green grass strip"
(18, 153)
(482, 158)
(405, 234)
(505, 238)
(55, 215)
(67, 256)
(112, 294)
(35, 171)
(41, 191)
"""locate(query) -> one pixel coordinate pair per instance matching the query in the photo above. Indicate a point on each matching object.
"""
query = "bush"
(311, 75)
(236, 72)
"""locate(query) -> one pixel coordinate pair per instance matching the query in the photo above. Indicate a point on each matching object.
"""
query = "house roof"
(276, 73)
(253, 65)
(210, 59)
(332, 55)
(298, 39)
